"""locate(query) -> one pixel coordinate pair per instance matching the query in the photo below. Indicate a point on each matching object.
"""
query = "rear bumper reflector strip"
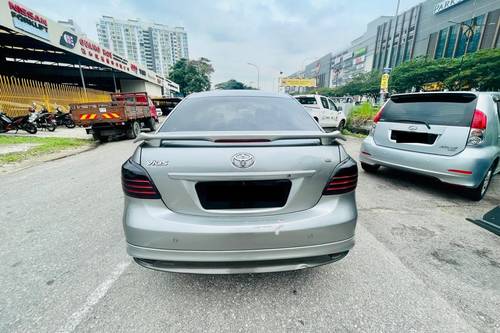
(463, 172)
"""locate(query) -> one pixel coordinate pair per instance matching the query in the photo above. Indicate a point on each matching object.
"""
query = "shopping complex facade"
(434, 28)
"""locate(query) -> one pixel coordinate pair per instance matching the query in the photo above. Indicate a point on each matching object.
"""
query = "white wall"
(140, 86)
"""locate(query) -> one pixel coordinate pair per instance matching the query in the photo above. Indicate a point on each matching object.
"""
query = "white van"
(324, 110)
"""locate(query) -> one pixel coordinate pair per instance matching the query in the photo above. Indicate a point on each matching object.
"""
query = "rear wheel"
(134, 130)
(30, 128)
(478, 193)
(98, 137)
(51, 127)
(151, 123)
(69, 123)
(370, 168)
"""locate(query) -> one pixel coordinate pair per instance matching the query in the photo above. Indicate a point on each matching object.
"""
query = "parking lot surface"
(418, 264)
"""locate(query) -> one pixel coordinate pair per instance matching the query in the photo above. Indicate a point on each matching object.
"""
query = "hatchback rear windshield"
(239, 114)
(436, 109)
(306, 100)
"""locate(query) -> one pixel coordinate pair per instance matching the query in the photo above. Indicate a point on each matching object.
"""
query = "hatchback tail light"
(344, 179)
(136, 182)
(477, 128)
(378, 115)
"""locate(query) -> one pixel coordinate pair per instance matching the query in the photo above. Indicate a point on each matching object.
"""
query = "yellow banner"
(384, 82)
(433, 86)
(298, 82)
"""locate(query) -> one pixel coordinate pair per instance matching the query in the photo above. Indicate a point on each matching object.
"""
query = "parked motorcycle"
(63, 118)
(22, 122)
(43, 118)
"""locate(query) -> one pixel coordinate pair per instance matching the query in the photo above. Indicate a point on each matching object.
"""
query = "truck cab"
(323, 110)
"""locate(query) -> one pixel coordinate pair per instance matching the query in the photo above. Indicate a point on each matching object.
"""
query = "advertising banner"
(298, 82)
(384, 83)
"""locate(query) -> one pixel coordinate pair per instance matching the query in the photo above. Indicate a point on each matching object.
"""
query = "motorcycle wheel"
(69, 123)
(51, 127)
(30, 128)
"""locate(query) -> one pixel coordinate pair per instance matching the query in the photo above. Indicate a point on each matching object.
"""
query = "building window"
(474, 41)
(431, 47)
(440, 44)
(452, 39)
(490, 30)
(462, 40)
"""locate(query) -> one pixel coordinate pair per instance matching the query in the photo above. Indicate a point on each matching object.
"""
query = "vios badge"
(243, 160)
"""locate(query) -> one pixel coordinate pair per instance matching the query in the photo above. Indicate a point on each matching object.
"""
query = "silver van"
(452, 136)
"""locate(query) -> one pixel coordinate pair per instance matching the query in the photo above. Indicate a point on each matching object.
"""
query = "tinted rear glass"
(306, 100)
(436, 109)
(239, 114)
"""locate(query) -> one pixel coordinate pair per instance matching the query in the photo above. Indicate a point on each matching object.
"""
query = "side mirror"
(339, 108)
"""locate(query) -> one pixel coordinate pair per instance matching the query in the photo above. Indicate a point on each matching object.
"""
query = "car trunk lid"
(436, 123)
(210, 178)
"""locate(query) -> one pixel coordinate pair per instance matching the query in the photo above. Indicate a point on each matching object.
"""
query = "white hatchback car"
(323, 110)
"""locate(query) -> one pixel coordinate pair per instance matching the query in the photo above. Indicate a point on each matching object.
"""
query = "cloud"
(277, 35)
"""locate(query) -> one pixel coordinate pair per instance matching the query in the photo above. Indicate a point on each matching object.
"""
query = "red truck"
(126, 114)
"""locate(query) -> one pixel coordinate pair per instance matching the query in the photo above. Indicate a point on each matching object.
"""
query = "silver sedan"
(239, 182)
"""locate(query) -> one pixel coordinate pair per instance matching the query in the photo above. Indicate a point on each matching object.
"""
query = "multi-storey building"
(434, 28)
(156, 46)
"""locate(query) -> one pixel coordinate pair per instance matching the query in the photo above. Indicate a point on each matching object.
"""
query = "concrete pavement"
(418, 265)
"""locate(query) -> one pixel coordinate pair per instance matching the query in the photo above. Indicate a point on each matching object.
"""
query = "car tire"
(370, 168)
(341, 125)
(477, 193)
(134, 130)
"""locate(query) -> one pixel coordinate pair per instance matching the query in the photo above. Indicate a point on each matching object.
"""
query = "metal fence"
(17, 95)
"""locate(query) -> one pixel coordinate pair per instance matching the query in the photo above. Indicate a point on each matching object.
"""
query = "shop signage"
(445, 4)
(298, 82)
(360, 52)
(24, 19)
(68, 40)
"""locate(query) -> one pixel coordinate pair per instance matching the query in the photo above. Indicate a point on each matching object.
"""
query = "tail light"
(136, 182)
(477, 128)
(344, 179)
(378, 115)
(376, 120)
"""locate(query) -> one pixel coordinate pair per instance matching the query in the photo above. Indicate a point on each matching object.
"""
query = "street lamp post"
(258, 74)
(469, 34)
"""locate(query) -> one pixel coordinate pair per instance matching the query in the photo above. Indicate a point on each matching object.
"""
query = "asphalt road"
(418, 265)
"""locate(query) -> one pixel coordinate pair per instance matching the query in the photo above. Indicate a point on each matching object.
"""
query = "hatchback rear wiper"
(411, 121)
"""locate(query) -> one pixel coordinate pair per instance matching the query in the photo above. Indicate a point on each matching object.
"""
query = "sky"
(276, 35)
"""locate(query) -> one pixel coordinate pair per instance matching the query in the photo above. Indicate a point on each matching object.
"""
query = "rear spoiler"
(326, 138)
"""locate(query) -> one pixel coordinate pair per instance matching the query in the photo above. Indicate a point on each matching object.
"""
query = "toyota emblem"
(243, 160)
(412, 128)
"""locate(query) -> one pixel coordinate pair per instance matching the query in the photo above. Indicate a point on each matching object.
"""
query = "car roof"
(238, 93)
(311, 95)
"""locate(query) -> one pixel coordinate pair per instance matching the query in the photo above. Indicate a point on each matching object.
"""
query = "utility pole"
(258, 74)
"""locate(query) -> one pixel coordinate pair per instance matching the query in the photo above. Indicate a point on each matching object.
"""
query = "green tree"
(232, 84)
(479, 70)
(192, 75)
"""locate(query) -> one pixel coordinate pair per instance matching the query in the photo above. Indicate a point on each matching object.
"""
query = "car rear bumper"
(478, 161)
(161, 239)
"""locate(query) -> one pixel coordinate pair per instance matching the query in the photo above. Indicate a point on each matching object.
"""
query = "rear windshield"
(239, 114)
(306, 100)
(436, 109)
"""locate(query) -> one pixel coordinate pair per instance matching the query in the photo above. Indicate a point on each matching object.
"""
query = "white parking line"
(76, 318)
